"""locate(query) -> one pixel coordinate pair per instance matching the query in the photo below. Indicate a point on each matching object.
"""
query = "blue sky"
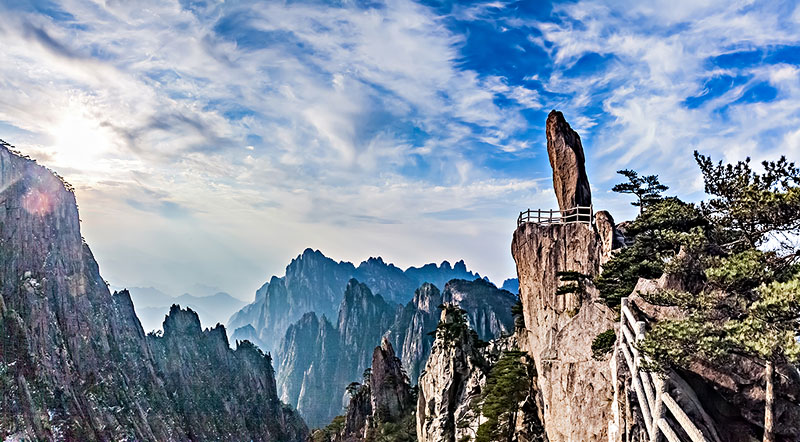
(210, 142)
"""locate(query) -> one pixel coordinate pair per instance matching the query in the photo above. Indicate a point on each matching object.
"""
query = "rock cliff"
(560, 326)
(454, 375)
(382, 408)
(307, 351)
(75, 363)
(565, 151)
(466, 393)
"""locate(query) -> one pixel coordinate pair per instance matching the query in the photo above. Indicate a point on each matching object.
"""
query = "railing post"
(658, 410)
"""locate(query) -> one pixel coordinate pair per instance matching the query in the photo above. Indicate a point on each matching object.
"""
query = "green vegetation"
(405, 430)
(603, 343)
(330, 431)
(736, 267)
(516, 312)
(647, 189)
(572, 282)
(507, 385)
(456, 326)
(659, 233)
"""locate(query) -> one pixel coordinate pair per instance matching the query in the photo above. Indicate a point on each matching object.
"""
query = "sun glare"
(79, 142)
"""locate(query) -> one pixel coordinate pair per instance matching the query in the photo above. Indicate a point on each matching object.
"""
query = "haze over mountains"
(323, 318)
(75, 363)
(152, 305)
(316, 283)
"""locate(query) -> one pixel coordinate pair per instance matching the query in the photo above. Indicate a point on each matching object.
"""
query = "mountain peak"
(181, 322)
(565, 151)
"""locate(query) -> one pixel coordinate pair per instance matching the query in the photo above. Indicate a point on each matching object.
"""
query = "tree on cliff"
(647, 189)
(746, 302)
(659, 234)
(507, 385)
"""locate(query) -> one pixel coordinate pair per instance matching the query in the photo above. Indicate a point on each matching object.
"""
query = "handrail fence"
(577, 214)
(651, 388)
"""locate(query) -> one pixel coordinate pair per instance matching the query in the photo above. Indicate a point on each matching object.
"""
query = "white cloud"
(145, 108)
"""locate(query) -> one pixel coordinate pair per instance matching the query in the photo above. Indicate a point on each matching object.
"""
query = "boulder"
(566, 158)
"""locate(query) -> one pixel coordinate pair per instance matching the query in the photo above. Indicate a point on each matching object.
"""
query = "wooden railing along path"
(578, 214)
(651, 392)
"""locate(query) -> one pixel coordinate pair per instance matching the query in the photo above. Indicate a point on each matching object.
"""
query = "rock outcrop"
(75, 363)
(382, 408)
(339, 354)
(458, 375)
(575, 388)
(565, 151)
(237, 397)
(390, 391)
(454, 375)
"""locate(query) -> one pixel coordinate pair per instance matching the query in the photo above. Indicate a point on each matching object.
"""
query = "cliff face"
(458, 390)
(412, 325)
(454, 375)
(241, 383)
(317, 360)
(576, 389)
(565, 151)
(306, 352)
(380, 409)
(313, 283)
(75, 363)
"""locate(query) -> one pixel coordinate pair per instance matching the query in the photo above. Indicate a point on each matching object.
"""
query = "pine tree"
(647, 189)
(507, 385)
(747, 301)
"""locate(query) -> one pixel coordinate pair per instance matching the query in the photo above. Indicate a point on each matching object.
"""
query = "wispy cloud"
(211, 141)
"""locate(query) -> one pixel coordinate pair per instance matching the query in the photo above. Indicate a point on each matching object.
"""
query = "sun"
(80, 142)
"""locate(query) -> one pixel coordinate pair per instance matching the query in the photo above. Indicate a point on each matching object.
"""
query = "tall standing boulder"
(566, 158)
(391, 392)
(575, 386)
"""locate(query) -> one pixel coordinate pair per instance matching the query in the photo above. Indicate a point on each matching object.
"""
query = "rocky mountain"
(471, 388)
(315, 283)
(75, 363)
(567, 160)
(382, 408)
(560, 326)
(511, 284)
(152, 305)
(313, 347)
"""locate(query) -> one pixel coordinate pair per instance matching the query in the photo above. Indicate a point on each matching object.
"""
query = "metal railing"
(578, 214)
(651, 389)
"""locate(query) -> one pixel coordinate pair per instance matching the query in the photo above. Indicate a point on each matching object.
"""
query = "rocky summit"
(318, 359)
(315, 283)
(75, 363)
(565, 151)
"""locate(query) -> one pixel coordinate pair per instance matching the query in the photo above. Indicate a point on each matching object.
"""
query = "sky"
(210, 142)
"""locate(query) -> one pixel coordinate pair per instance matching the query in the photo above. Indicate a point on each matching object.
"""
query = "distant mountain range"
(152, 305)
(318, 358)
(315, 283)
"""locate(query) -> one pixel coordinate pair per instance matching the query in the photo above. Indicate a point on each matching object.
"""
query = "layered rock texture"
(382, 408)
(565, 151)
(75, 363)
(575, 388)
(317, 360)
(452, 388)
(315, 283)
